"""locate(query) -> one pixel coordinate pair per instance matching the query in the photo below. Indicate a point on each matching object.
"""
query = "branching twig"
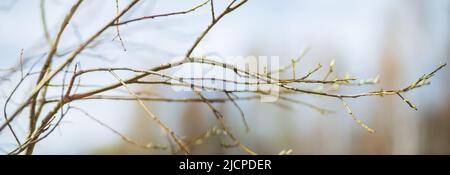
(46, 79)
(161, 15)
(169, 131)
(46, 67)
(227, 10)
(247, 128)
(117, 28)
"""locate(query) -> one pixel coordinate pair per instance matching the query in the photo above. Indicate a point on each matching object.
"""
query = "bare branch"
(154, 117)
(123, 137)
(161, 15)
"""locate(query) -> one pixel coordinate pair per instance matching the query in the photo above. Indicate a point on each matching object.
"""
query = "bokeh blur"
(399, 40)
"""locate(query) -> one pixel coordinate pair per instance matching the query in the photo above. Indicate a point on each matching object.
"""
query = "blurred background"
(399, 40)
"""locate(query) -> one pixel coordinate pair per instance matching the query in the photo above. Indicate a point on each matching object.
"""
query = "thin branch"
(122, 136)
(162, 15)
(227, 10)
(21, 63)
(44, 22)
(219, 117)
(241, 112)
(312, 71)
(407, 102)
(213, 16)
(330, 69)
(117, 27)
(169, 131)
(361, 123)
